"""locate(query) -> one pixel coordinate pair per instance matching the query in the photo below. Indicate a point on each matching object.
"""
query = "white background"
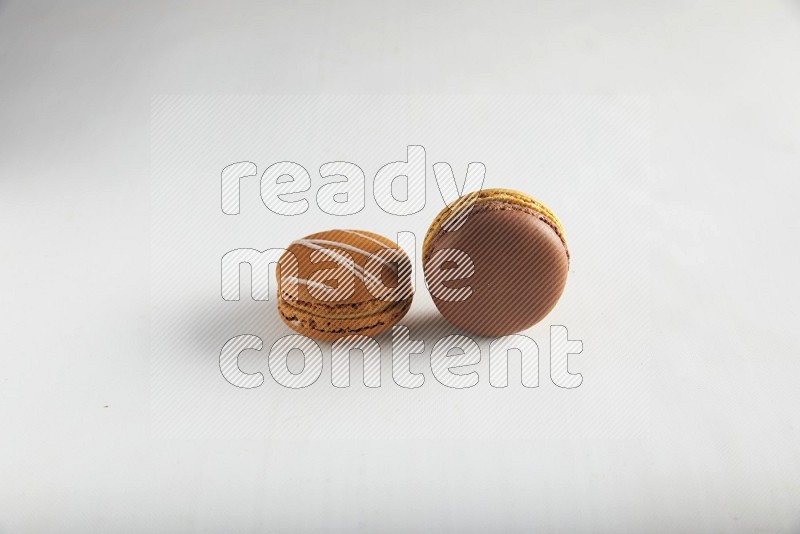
(77, 451)
(586, 157)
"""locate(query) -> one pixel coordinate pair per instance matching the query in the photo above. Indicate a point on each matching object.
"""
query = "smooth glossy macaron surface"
(519, 267)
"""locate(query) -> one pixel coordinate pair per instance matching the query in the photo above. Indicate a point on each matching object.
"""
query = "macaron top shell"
(459, 210)
(520, 263)
(354, 261)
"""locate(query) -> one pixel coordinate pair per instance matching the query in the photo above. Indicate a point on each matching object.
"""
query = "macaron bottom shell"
(327, 328)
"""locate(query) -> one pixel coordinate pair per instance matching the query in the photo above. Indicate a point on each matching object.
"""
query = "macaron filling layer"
(299, 318)
(321, 310)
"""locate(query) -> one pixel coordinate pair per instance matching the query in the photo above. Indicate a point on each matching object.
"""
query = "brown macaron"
(496, 262)
(343, 282)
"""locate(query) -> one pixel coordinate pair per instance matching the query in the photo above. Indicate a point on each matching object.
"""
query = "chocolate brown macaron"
(496, 262)
(343, 282)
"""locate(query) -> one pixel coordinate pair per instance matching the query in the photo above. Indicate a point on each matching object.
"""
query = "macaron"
(495, 261)
(338, 283)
